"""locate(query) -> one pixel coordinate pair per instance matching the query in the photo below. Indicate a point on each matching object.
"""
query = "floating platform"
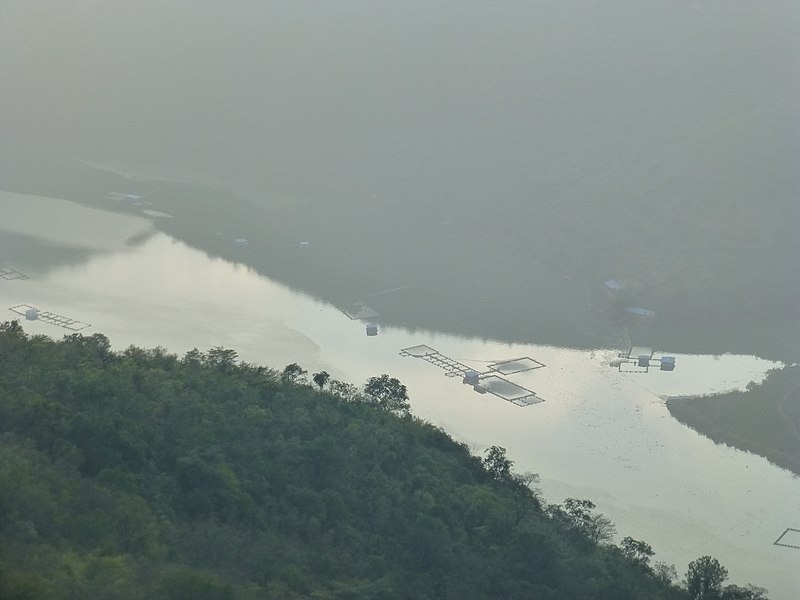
(452, 368)
(516, 365)
(510, 392)
(32, 313)
(11, 273)
(358, 311)
(482, 383)
(418, 351)
(639, 360)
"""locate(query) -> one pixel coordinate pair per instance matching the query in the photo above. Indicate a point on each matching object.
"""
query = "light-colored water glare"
(67, 224)
(600, 434)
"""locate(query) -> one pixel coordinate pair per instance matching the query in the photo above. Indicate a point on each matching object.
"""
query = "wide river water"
(600, 434)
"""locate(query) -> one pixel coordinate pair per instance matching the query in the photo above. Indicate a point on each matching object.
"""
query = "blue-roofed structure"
(667, 363)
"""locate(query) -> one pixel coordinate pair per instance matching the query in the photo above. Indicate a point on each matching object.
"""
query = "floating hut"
(471, 377)
(667, 363)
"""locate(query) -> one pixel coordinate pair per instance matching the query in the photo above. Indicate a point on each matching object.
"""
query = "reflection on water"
(66, 224)
(39, 233)
(599, 434)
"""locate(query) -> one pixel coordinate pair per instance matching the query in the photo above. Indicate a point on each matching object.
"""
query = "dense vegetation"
(143, 475)
(765, 419)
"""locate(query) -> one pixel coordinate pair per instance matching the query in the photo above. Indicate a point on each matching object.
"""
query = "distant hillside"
(474, 172)
(143, 475)
(512, 273)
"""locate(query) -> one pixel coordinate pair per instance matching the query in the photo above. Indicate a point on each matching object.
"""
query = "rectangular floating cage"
(636, 360)
(11, 273)
(636, 351)
(510, 392)
(790, 538)
(516, 365)
(358, 311)
(419, 351)
(451, 367)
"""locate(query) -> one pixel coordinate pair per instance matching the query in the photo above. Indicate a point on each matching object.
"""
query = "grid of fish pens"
(489, 382)
(32, 313)
(11, 274)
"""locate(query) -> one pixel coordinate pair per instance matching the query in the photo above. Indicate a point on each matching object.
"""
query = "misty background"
(473, 167)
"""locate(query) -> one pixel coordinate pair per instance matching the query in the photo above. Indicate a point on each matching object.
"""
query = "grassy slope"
(765, 419)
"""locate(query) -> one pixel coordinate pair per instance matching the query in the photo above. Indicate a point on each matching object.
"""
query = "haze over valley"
(562, 181)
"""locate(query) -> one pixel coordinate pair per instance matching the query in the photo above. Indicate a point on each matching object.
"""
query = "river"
(599, 434)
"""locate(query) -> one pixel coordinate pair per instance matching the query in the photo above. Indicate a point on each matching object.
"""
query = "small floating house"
(667, 363)
(471, 378)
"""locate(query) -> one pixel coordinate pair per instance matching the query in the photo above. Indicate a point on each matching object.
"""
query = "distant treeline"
(143, 475)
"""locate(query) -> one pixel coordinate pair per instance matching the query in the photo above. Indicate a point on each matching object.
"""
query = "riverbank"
(393, 258)
(764, 419)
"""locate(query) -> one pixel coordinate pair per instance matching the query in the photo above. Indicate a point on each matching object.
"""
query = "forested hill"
(144, 475)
